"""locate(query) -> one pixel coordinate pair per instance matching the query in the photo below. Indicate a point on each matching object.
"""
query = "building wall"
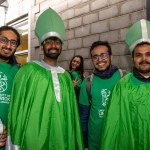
(87, 21)
(17, 8)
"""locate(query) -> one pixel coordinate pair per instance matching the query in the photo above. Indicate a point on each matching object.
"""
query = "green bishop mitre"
(49, 24)
(139, 32)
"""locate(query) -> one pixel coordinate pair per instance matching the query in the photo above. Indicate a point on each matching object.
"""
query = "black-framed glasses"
(51, 42)
(5, 40)
(102, 56)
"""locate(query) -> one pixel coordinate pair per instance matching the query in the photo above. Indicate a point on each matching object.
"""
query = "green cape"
(37, 121)
(127, 121)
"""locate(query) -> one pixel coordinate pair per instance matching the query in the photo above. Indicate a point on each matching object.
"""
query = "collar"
(139, 76)
(54, 71)
(107, 73)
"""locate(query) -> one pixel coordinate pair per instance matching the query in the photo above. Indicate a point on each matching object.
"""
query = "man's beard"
(5, 57)
(52, 55)
(141, 70)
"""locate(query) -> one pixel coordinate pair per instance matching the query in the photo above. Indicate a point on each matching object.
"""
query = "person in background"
(9, 41)
(127, 122)
(43, 111)
(92, 103)
(76, 70)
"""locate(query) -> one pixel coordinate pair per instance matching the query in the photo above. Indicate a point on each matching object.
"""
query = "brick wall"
(87, 21)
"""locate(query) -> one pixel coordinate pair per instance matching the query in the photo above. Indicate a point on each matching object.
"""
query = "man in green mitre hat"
(43, 111)
(127, 121)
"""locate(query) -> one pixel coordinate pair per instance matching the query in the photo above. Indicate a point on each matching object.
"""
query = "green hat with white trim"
(49, 24)
(139, 32)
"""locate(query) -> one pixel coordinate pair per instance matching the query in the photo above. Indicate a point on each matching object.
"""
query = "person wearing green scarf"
(127, 120)
(43, 111)
(9, 41)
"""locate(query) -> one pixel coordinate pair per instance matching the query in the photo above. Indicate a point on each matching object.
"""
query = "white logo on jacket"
(105, 95)
(3, 82)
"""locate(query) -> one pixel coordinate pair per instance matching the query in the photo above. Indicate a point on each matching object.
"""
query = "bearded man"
(43, 111)
(127, 122)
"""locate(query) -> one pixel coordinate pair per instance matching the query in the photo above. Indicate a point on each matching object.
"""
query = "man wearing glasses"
(103, 79)
(9, 41)
(43, 111)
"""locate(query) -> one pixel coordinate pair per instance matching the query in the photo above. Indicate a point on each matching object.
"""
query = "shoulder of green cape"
(29, 66)
(36, 66)
(89, 82)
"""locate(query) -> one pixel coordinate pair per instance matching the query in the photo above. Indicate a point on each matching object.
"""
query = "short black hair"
(142, 43)
(101, 43)
(52, 38)
(3, 28)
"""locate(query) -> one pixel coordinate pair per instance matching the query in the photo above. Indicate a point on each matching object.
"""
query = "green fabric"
(52, 23)
(76, 76)
(135, 33)
(127, 122)
(7, 73)
(100, 91)
(36, 120)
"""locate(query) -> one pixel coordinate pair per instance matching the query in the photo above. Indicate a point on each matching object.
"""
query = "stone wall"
(87, 21)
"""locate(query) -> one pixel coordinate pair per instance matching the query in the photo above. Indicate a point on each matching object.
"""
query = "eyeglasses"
(102, 56)
(51, 42)
(5, 40)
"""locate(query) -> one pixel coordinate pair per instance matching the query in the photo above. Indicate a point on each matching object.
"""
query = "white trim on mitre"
(144, 35)
(132, 47)
(144, 29)
(50, 34)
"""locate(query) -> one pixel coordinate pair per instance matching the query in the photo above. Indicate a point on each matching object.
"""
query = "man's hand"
(3, 138)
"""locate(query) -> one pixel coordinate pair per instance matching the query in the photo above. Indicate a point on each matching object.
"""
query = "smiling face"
(7, 47)
(141, 59)
(52, 48)
(75, 63)
(101, 57)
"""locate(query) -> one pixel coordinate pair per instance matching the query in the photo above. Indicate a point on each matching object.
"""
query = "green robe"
(127, 122)
(7, 73)
(40, 118)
